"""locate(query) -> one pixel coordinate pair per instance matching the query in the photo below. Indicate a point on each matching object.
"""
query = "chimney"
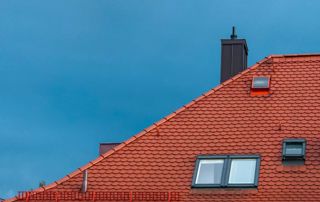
(234, 54)
(105, 147)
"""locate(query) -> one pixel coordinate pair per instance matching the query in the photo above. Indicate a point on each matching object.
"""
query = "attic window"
(226, 171)
(261, 83)
(294, 149)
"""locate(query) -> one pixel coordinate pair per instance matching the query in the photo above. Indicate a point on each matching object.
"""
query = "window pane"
(294, 148)
(210, 171)
(261, 82)
(242, 171)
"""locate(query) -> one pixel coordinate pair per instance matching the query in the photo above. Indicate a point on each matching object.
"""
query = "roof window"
(261, 82)
(294, 149)
(226, 171)
(210, 171)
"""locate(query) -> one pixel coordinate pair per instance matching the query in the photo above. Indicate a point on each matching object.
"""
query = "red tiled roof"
(225, 120)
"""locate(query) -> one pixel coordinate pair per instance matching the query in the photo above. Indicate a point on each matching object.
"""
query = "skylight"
(226, 171)
(294, 149)
(261, 82)
(210, 171)
(242, 171)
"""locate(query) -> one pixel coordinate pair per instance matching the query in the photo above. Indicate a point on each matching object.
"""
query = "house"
(255, 137)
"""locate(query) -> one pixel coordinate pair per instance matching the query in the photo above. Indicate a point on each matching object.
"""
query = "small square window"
(226, 171)
(294, 149)
(261, 82)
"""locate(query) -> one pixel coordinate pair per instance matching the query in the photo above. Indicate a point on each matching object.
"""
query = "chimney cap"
(233, 35)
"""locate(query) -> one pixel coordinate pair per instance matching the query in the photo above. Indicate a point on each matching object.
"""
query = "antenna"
(233, 35)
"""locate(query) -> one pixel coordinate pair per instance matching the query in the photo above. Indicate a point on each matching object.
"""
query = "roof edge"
(294, 55)
(148, 129)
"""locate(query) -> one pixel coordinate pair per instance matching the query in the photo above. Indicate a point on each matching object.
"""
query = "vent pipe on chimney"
(234, 55)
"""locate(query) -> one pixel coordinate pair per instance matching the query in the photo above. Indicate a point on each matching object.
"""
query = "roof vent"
(84, 185)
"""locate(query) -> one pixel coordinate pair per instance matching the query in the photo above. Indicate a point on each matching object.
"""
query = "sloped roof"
(225, 120)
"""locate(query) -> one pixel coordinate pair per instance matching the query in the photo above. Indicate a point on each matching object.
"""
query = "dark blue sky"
(79, 72)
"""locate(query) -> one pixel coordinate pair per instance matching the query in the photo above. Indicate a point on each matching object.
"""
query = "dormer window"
(294, 149)
(226, 171)
(261, 83)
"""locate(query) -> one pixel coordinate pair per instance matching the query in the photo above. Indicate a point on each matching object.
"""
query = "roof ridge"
(294, 55)
(148, 129)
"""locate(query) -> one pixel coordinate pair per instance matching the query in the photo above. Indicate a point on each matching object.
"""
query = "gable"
(226, 120)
